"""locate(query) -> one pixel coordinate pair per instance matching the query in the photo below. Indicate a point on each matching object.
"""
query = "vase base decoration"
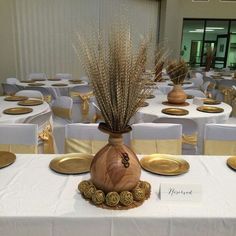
(184, 104)
(113, 200)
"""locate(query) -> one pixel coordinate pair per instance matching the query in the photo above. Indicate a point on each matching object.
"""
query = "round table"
(165, 86)
(4, 118)
(55, 91)
(153, 111)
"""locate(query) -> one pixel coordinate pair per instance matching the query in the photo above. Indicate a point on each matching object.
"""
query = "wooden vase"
(177, 95)
(115, 167)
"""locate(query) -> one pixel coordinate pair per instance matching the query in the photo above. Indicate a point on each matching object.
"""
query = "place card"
(181, 192)
(198, 101)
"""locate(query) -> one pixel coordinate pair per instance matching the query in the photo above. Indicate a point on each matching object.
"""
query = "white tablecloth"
(4, 118)
(35, 201)
(153, 111)
(55, 91)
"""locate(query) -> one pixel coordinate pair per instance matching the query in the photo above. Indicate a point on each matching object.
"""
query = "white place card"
(181, 192)
(198, 101)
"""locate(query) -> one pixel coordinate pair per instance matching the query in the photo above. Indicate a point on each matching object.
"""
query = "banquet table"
(36, 201)
(55, 91)
(4, 118)
(153, 111)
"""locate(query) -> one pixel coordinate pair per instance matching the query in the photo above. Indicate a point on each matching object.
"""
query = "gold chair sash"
(97, 117)
(48, 142)
(62, 112)
(83, 146)
(47, 98)
(170, 146)
(189, 139)
(85, 103)
(19, 148)
(219, 147)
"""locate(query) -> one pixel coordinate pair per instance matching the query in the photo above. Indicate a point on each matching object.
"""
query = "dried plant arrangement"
(177, 70)
(160, 60)
(115, 72)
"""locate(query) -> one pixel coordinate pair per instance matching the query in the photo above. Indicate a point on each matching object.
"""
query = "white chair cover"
(162, 132)
(19, 134)
(195, 93)
(197, 81)
(30, 94)
(63, 76)
(9, 89)
(189, 139)
(220, 139)
(34, 76)
(12, 80)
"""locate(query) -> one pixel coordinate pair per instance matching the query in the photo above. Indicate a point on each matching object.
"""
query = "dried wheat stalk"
(177, 70)
(116, 75)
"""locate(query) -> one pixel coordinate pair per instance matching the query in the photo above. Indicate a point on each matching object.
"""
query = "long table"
(35, 201)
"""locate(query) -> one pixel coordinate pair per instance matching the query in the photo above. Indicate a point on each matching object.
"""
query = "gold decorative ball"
(139, 194)
(83, 185)
(147, 188)
(98, 197)
(126, 198)
(88, 193)
(112, 199)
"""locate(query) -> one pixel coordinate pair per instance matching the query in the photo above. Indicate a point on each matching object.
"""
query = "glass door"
(221, 51)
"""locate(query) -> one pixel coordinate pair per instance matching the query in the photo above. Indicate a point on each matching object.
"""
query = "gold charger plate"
(54, 79)
(36, 84)
(39, 79)
(17, 110)
(6, 158)
(76, 81)
(30, 102)
(210, 101)
(59, 84)
(175, 111)
(27, 81)
(74, 163)
(209, 109)
(184, 104)
(190, 96)
(15, 98)
(231, 162)
(144, 104)
(164, 164)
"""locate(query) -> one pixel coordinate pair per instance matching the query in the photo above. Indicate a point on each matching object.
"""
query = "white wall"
(37, 35)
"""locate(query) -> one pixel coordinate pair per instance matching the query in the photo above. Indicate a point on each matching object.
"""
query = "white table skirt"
(4, 118)
(35, 201)
(153, 111)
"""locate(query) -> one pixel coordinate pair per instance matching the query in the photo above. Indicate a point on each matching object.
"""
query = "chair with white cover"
(9, 89)
(45, 136)
(189, 133)
(197, 81)
(195, 93)
(62, 110)
(65, 76)
(204, 87)
(12, 81)
(19, 138)
(220, 139)
(30, 94)
(48, 95)
(82, 96)
(35, 76)
(148, 138)
(84, 138)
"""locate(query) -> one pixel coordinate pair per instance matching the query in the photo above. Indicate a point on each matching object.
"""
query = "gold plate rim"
(60, 84)
(210, 109)
(15, 98)
(209, 101)
(32, 102)
(144, 104)
(24, 110)
(231, 162)
(36, 84)
(184, 168)
(54, 79)
(11, 157)
(55, 163)
(167, 111)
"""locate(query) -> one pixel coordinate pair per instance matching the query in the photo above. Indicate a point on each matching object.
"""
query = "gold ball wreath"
(83, 185)
(112, 199)
(98, 197)
(139, 194)
(88, 193)
(126, 198)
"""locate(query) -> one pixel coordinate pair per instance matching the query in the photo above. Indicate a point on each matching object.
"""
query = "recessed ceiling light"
(215, 28)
